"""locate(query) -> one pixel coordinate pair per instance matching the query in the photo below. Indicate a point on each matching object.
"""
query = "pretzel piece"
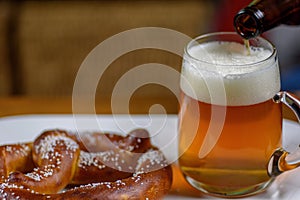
(112, 157)
(56, 156)
(15, 157)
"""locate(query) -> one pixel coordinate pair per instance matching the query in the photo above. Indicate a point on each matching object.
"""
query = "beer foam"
(224, 73)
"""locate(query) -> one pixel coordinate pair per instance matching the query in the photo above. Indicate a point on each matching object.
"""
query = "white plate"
(163, 131)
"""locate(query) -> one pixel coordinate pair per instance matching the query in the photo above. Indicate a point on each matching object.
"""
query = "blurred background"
(43, 43)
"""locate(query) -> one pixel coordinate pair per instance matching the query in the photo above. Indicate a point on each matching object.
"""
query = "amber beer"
(233, 160)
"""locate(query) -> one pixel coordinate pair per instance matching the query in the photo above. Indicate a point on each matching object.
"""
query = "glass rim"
(207, 35)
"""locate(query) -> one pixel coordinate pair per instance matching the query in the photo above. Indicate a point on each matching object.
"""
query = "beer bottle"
(262, 15)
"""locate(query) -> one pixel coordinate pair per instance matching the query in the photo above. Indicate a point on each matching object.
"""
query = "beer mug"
(230, 120)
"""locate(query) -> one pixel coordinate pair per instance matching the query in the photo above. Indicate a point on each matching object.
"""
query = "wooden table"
(63, 105)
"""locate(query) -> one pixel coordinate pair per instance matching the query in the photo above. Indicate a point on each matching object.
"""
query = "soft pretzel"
(147, 174)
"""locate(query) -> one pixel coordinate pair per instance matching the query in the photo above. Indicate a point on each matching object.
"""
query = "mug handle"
(278, 162)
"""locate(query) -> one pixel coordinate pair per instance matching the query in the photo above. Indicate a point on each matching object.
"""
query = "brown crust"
(153, 185)
(15, 157)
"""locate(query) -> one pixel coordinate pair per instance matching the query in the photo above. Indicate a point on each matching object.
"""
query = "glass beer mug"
(230, 120)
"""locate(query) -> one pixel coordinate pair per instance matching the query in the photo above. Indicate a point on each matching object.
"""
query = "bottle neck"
(263, 15)
(249, 22)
